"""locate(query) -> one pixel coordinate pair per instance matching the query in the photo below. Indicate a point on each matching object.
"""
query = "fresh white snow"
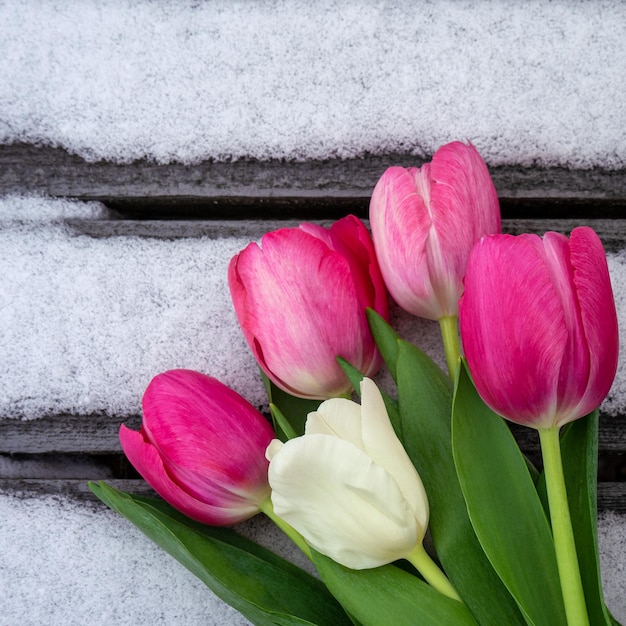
(527, 82)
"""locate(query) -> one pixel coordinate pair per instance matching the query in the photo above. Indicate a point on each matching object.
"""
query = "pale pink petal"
(464, 207)
(400, 223)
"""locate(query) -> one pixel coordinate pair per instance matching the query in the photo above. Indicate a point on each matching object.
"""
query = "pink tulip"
(539, 326)
(424, 223)
(300, 298)
(201, 447)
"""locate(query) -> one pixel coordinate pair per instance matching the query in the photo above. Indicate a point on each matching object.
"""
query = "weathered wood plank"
(76, 488)
(65, 434)
(279, 189)
(98, 434)
(612, 232)
(611, 495)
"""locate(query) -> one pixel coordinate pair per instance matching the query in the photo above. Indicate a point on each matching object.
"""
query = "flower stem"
(564, 544)
(450, 336)
(267, 507)
(431, 573)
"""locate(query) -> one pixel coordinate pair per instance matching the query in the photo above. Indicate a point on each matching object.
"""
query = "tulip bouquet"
(358, 486)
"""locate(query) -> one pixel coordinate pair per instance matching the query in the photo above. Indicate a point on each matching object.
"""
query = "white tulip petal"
(274, 446)
(344, 505)
(383, 446)
(338, 417)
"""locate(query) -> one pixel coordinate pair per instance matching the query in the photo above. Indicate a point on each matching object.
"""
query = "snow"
(526, 82)
(70, 564)
(88, 321)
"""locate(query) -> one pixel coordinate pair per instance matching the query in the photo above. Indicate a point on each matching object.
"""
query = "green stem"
(431, 573)
(267, 507)
(450, 336)
(564, 544)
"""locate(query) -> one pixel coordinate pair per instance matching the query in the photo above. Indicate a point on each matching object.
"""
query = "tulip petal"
(147, 461)
(599, 318)
(513, 328)
(344, 505)
(464, 206)
(424, 223)
(400, 223)
(290, 332)
(210, 438)
(383, 446)
(338, 417)
(574, 369)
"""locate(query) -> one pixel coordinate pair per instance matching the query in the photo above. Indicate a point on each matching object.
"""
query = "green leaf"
(281, 423)
(265, 588)
(293, 409)
(390, 596)
(503, 505)
(386, 339)
(425, 399)
(579, 453)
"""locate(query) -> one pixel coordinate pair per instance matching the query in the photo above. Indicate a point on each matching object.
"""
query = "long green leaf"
(579, 452)
(265, 588)
(503, 505)
(389, 596)
(425, 397)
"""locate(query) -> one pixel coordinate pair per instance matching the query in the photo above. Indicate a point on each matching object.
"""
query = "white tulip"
(348, 486)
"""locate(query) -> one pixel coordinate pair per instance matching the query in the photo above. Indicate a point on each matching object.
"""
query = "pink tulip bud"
(539, 326)
(424, 223)
(300, 298)
(201, 447)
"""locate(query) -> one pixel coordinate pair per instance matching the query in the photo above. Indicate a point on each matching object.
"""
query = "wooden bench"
(172, 201)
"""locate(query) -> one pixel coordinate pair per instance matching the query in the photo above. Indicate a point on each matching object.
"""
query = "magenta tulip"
(201, 447)
(300, 298)
(424, 223)
(539, 327)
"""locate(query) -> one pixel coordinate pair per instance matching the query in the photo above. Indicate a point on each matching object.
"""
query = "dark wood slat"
(76, 488)
(279, 189)
(611, 495)
(611, 435)
(612, 232)
(65, 434)
(98, 434)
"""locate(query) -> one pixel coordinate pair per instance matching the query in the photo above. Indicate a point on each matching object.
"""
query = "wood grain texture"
(98, 434)
(612, 232)
(280, 189)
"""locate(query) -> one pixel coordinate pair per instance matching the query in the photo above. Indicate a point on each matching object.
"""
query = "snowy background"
(87, 322)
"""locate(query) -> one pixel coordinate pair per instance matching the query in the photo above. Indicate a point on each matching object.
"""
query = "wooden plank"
(280, 189)
(98, 434)
(66, 434)
(75, 488)
(612, 232)
(611, 495)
